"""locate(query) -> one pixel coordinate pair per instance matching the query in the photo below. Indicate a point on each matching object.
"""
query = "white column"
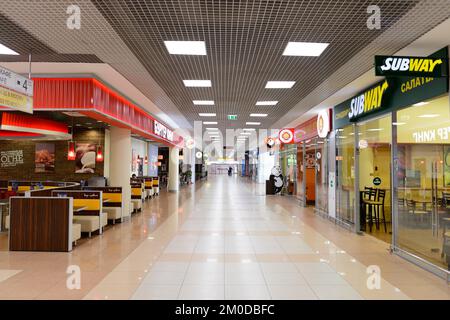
(120, 164)
(174, 160)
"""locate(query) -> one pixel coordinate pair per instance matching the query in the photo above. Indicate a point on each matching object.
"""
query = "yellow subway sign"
(368, 101)
(411, 66)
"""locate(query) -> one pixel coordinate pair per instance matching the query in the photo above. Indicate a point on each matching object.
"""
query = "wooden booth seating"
(156, 185)
(148, 184)
(137, 195)
(42, 224)
(76, 232)
(87, 209)
(112, 202)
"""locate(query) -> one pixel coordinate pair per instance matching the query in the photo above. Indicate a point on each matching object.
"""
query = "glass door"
(423, 177)
(322, 175)
(374, 141)
(345, 175)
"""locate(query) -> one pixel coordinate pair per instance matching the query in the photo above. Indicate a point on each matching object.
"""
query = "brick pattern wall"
(64, 169)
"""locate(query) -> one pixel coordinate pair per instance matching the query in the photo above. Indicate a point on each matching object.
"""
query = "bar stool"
(369, 199)
(379, 204)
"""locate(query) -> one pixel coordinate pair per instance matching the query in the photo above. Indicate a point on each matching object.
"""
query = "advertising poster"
(85, 157)
(44, 159)
(447, 166)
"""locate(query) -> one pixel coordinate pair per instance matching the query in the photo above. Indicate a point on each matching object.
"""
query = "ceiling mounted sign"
(16, 91)
(286, 135)
(162, 131)
(411, 66)
(323, 123)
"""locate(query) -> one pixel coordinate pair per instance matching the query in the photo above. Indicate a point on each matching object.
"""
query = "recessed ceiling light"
(260, 115)
(209, 122)
(420, 104)
(429, 115)
(279, 84)
(197, 48)
(6, 50)
(253, 123)
(305, 49)
(207, 114)
(203, 102)
(266, 103)
(197, 83)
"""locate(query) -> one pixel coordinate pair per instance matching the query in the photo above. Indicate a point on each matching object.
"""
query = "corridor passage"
(228, 241)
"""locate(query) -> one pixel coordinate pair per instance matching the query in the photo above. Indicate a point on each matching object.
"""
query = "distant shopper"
(230, 171)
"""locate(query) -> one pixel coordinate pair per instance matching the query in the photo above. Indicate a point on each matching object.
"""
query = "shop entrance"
(374, 162)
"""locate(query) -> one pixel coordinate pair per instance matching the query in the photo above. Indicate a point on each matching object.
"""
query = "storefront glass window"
(345, 175)
(423, 177)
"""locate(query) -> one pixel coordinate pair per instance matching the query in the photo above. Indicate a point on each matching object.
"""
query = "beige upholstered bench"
(76, 232)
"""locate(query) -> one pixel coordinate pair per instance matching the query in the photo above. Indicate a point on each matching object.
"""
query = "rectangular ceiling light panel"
(197, 48)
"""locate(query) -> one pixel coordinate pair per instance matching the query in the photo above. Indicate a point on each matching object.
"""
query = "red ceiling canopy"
(93, 99)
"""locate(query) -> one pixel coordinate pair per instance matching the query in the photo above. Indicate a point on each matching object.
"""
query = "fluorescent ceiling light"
(197, 48)
(253, 123)
(305, 49)
(420, 104)
(279, 84)
(429, 115)
(209, 122)
(398, 123)
(197, 83)
(212, 129)
(246, 133)
(260, 115)
(207, 114)
(203, 102)
(6, 50)
(249, 129)
(266, 103)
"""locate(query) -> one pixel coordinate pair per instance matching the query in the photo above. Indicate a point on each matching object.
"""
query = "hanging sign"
(286, 136)
(323, 123)
(411, 66)
(16, 91)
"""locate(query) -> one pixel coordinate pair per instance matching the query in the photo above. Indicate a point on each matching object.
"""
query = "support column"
(174, 160)
(120, 164)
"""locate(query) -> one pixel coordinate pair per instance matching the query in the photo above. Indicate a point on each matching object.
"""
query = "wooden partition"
(136, 190)
(40, 224)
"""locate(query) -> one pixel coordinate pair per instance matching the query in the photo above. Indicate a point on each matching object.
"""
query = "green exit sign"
(232, 117)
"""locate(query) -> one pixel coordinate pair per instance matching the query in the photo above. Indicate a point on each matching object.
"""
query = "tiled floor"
(223, 241)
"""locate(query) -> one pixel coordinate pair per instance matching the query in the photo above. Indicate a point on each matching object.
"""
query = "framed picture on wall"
(85, 157)
(44, 159)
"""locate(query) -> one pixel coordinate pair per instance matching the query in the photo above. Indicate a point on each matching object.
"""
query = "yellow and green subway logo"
(367, 101)
(410, 66)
